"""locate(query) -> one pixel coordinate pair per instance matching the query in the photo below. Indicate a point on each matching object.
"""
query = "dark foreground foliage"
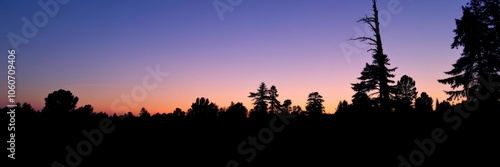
(342, 139)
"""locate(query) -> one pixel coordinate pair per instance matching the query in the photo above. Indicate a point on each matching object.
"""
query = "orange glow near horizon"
(102, 54)
(165, 100)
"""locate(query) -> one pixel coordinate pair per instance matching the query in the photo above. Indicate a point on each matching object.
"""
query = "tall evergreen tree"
(405, 93)
(315, 104)
(259, 99)
(274, 103)
(376, 76)
(478, 33)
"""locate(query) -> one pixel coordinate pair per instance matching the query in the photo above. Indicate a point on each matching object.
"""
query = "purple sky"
(99, 50)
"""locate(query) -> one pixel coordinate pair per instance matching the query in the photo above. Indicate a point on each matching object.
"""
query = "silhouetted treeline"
(386, 123)
(213, 136)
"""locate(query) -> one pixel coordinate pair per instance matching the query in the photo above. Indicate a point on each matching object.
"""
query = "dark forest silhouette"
(386, 123)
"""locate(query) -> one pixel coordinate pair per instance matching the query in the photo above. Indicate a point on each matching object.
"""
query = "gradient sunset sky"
(99, 50)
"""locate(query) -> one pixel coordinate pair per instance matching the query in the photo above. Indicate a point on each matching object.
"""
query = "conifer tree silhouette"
(478, 33)
(376, 76)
